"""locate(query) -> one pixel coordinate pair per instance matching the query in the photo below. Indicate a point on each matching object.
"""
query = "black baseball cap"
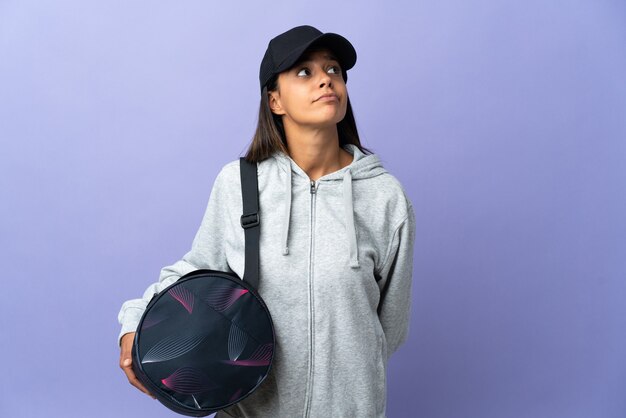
(284, 50)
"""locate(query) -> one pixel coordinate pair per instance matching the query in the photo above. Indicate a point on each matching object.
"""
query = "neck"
(316, 150)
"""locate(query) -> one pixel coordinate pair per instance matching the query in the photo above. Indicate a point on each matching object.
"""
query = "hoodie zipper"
(307, 405)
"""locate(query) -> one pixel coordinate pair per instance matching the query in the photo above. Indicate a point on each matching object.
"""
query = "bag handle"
(250, 220)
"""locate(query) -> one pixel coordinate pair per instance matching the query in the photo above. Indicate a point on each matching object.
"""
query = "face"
(312, 92)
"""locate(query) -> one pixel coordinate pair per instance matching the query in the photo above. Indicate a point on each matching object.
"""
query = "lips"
(327, 97)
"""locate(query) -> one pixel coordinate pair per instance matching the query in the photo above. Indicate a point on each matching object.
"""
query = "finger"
(125, 362)
(132, 378)
(136, 383)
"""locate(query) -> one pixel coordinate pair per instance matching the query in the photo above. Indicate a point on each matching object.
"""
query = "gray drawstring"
(350, 230)
(349, 214)
(287, 215)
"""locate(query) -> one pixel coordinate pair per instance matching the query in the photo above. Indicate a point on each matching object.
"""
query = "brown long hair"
(270, 133)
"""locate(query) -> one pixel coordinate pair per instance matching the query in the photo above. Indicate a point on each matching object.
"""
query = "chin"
(331, 120)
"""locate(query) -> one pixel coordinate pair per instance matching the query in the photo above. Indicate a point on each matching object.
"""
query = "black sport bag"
(206, 341)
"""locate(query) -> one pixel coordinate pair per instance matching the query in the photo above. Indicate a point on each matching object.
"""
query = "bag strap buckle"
(250, 220)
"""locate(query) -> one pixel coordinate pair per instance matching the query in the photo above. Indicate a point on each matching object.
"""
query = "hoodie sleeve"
(205, 253)
(394, 308)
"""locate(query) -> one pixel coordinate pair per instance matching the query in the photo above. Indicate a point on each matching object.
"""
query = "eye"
(336, 69)
(304, 71)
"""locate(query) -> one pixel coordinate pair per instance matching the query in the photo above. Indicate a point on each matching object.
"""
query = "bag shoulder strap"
(250, 220)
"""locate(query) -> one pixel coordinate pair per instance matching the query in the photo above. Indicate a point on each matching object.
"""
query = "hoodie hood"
(362, 167)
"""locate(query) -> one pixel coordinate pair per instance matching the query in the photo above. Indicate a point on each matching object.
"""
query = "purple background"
(505, 121)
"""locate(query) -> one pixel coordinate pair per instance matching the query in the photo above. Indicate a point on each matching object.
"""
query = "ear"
(274, 103)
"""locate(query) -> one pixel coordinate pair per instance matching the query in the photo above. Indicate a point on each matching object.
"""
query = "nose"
(326, 80)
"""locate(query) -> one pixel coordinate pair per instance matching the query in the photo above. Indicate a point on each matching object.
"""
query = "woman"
(336, 245)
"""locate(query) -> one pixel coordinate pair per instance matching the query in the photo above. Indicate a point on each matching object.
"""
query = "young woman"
(336, 245)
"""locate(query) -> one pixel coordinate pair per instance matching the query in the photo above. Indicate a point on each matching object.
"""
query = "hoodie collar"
(362, 166)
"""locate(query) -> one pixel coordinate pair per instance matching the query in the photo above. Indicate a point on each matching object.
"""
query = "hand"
(126, 362)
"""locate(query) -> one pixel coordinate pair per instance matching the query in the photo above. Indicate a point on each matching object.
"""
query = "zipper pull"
(313, 187)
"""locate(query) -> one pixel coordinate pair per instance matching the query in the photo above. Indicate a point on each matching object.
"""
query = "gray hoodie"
(336, 261)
